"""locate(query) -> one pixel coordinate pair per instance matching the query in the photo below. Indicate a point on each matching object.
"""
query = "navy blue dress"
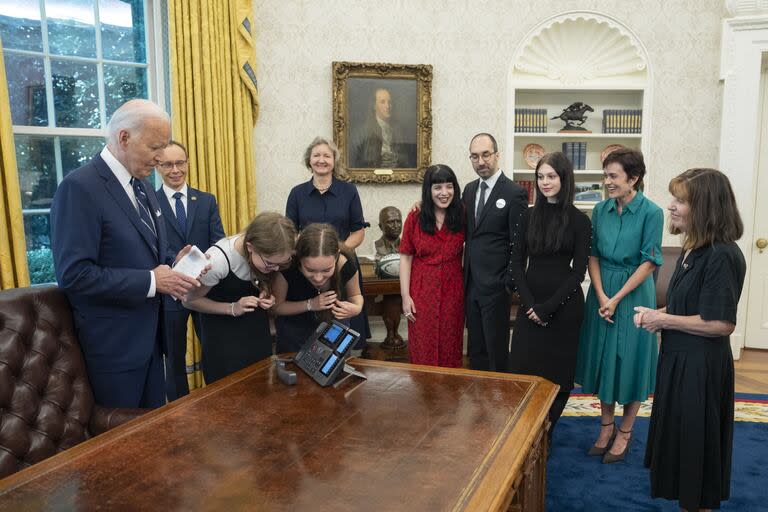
(340, 207)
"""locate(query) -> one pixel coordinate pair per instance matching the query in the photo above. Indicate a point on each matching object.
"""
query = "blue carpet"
(576, 482)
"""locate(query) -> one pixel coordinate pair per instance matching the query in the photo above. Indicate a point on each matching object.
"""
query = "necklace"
(321, 189)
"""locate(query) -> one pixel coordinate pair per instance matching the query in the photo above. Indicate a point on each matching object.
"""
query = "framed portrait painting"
(382, 120)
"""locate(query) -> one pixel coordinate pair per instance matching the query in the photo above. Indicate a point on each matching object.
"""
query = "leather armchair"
(46, 402)
(664, 274)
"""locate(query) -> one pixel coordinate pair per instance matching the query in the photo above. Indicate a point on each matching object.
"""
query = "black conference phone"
(322, 356)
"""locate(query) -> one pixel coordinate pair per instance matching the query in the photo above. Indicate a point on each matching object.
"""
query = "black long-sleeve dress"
(551, 285)
(690, 437)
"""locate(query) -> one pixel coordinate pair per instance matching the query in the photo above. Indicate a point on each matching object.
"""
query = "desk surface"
(409, 437)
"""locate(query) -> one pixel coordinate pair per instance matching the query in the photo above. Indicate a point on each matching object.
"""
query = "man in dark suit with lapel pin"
(494, 205)
(191, 218)
(109, 249)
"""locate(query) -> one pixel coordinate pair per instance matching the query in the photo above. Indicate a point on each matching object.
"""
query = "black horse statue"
(574, 114)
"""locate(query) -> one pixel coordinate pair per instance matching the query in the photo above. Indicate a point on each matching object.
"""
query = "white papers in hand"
(192, 263)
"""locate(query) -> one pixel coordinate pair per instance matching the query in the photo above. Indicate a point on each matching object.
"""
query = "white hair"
(131, 114)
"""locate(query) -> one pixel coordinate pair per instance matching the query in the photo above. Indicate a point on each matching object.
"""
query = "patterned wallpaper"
(470, 45)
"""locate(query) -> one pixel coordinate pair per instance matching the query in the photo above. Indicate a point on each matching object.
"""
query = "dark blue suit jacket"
(204, 226)
(103, 256)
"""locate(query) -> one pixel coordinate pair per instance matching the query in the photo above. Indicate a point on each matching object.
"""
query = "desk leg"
(392, 307)
(530, 495)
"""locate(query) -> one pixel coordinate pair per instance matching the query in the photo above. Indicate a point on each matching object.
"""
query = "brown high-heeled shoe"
(596, 450)
(610, 458)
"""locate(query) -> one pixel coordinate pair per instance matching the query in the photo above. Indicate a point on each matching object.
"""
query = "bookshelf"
(578, 56)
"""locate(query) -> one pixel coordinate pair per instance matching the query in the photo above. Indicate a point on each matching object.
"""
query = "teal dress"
(618, 361)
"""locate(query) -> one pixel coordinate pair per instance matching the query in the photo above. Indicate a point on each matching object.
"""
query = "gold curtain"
(214, 106)
(13, 254)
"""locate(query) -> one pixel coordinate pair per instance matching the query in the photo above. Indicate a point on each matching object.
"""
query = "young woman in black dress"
(236, 293)
(321, 285)
(690, 437)
(553, 233)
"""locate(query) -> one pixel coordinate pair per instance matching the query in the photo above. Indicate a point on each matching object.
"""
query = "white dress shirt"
(168, 191)
(491, 182)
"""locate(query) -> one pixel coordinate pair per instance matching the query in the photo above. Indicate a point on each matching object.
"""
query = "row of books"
(622, 120)
(531, 120)
(527, 185)
(576, 152)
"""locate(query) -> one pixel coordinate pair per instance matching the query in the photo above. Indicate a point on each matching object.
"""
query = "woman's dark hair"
(323, 240)
(437, 175)
(631, 161)
(269, 233)
(713, 215)
(544, 238)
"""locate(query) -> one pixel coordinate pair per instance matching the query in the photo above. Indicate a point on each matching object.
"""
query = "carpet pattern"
(751, 408)
(576, 482)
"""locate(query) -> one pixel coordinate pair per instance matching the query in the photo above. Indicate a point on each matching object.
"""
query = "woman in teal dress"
(616, 360)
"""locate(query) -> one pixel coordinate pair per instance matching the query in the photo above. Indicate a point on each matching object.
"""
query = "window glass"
(20, 25)
(63, 88)
(71, 27)
(122, 30)
(26, 88)
(122, 83)
(37, 170)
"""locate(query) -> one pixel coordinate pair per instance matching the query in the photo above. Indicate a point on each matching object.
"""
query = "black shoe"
(594, 451)
(610, 458)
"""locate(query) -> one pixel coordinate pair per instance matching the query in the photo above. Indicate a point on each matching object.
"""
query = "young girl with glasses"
(238, 291)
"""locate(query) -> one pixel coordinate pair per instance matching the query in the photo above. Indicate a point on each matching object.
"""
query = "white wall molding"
(747, 7)
(744, 41)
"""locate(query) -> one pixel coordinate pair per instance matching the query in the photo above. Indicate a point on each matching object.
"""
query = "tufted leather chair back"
(46, 401)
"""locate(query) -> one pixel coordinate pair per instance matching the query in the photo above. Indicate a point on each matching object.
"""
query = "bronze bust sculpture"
(388, 267)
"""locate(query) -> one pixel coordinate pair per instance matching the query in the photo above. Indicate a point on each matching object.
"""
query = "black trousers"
(487, 329)
(176, 384)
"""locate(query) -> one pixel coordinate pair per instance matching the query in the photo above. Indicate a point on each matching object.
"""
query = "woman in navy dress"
(690, 437)
(327, 199)
(321, 285)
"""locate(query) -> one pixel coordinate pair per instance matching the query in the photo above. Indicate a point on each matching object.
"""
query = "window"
(70, 64)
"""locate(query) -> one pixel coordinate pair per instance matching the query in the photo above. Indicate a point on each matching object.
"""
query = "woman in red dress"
(431, 281)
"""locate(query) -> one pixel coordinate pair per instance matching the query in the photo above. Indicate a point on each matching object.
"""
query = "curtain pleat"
(14, 272)
(214, 106)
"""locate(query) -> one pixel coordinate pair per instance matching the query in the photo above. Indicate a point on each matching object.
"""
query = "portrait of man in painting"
(383, 118)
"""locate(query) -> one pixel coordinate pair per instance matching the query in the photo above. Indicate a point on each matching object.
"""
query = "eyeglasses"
(275, 266)
(474, 157)
(179, 164)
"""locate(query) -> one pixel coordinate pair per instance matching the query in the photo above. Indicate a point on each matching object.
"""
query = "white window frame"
(155, 73)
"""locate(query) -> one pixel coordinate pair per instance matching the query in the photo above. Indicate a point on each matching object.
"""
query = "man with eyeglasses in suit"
(191, 218)
(494, 204)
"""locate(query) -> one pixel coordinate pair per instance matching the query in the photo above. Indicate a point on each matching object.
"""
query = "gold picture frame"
(382, 120)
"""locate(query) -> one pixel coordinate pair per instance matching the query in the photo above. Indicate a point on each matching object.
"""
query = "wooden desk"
(408, 438)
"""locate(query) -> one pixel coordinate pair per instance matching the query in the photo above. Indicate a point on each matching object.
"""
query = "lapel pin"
(500, 203)
(194, 198)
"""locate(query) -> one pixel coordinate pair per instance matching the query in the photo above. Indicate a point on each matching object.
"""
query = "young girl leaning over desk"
(321, 285)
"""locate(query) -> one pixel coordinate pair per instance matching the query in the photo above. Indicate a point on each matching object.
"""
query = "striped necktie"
(143, 207)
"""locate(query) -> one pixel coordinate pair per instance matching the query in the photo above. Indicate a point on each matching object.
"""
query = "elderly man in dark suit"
(191, 218)
(109, 249)
(494, 205)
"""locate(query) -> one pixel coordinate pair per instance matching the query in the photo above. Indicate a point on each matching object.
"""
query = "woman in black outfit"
(690, 437)
(552, 234)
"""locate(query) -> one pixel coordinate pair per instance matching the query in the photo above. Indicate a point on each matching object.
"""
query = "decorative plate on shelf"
(608, 150)
(532, 153)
